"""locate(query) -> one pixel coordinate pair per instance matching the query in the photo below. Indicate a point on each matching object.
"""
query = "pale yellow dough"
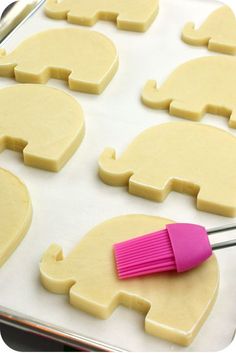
(218, 32)
(131, 15)
(198, 86)
(16, 213)
(186, 157)
(45, 123)
(87, 59)
(175, 305)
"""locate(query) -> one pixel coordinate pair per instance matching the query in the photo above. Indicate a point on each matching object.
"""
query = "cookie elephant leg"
(187, 110)
(96, 301)
(152, 188)
(217, 199)
(134, 21)
(222, 45)
(78, 81)
(11, 143)
(169, 326)
(31, 73)
(45, 157)
(232, 120)
(93, 83)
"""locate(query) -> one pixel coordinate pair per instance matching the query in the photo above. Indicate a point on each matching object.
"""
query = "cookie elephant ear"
(16, 212)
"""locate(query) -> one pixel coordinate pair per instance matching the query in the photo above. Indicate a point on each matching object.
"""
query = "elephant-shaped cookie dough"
(218, 32)
(185, 157)
(16, 213)
(87, 59)
(132, 15)
(45, 123)
(201, 85)
(89, 275)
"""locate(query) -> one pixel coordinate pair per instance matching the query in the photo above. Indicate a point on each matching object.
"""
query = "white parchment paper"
(68, 204)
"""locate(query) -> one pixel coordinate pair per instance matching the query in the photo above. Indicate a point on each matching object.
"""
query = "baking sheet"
(68, 204)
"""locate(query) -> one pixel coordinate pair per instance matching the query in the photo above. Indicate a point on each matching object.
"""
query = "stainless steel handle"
(225, 244)
(221, 229)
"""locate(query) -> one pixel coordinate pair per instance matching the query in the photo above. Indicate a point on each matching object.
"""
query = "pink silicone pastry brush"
(179, 247)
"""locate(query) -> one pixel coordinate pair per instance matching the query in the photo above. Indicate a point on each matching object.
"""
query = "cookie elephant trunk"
(154, 97)
(2, 52)
(112, 171)
(53, 272)
(194, 36)
(56, 9)
(7, 63)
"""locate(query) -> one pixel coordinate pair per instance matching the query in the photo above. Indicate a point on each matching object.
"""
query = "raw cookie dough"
(45, 123)
(175, 305)
(131, 15)
(87, 59)
(185, 157)
(16, 213)
(198, 86)
(218, 32)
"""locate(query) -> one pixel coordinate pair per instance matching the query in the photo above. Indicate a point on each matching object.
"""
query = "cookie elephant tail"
(112, 171)
(53, 272)
(193, 36)
(153, 97)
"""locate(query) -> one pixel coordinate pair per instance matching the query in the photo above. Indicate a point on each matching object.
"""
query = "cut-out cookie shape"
(131, 15)
(201, 85)
(89, 275)
(218, 32)
(16, 213)
(183, 157)
(45, 123)
(87, 59)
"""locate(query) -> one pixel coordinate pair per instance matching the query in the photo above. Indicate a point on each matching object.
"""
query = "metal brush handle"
(221, 229)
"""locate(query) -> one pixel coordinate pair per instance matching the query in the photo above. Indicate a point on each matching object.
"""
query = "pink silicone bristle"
(179, 247)
(143, 255)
